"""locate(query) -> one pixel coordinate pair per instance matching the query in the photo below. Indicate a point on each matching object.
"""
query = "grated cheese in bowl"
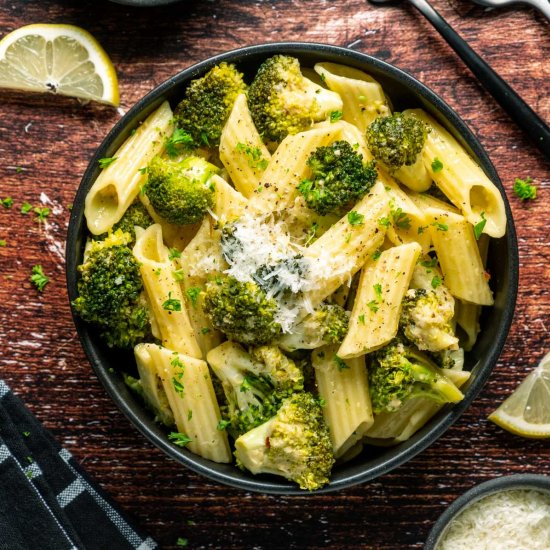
(515, 519)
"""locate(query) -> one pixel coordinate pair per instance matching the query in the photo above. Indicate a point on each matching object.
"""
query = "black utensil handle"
(535, 128)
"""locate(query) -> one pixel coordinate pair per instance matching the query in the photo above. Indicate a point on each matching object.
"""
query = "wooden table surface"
(45, 145)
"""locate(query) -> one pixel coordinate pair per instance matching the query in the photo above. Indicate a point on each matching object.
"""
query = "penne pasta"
(151, 384)
(344, 248)
(461, 179)
(164, 292)
(456, 247)
(278, 185)
(119, 183)
(363, 97)
(408, 222)
(188, 386)
(343, 386)
(242, 150)
(377, 307)
(193, 284)
(229, 204)
(416, 177)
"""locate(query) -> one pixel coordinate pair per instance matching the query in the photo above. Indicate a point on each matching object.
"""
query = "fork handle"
(535, 128)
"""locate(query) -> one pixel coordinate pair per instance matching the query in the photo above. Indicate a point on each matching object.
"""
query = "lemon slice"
(527, 411)
(62, 59)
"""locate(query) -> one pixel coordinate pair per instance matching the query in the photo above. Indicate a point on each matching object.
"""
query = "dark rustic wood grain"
(40, 356)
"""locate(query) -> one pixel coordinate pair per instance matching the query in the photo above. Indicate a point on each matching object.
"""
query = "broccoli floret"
(207, 105)
(398, 373)
(241, 310)
(294, 444)
(181, 192)
(110, 292)
(338, 177)
(282, 371)
(282, 101)
(136, 215)
(254, 384)
(426, 319)
(327, 325)
(396, 140)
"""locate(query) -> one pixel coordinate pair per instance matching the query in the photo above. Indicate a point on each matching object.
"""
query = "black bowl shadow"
(405, 92)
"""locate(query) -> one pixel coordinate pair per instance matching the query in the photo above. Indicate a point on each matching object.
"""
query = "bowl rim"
(529, 481)
(446, 417)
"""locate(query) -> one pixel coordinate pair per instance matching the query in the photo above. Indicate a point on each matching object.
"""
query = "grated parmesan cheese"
(508, 520)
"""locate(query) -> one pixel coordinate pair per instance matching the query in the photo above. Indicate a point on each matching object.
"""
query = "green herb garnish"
(107, 161)
(179, 439)
(38, 278)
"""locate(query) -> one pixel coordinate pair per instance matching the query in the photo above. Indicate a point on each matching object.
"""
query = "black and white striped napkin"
(46, 500)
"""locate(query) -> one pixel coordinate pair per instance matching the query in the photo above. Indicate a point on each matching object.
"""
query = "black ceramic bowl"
(405, 92)
(497, 485)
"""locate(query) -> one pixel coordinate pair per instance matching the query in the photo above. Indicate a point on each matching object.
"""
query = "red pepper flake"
(267, 443)
(487, 275)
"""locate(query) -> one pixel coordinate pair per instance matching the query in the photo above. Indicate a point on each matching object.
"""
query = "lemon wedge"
(62, 59)
(527, 411)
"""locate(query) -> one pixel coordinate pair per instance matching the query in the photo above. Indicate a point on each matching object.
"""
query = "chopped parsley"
(378, 290)
(421, 229)
(373, 306)
(179, 275)
(524, 190)
(436, 281)
(175, 362)
(182, 542)
(3, 242)
(143, 170)
(41, 213)
(7, 202)
(179, 138)
(375, 255)
(335, 116)
(26, 434)
(38, 278)
(400, 219)
(440, 226)
(479, 226)
(361, 318)
(384, 222)
(106, 161)
(340, 363)
(179, 439)
(205, 330)
(193, 294)
(189, 414)
(178, 386)
(172, 304)
(26, 207)
(18, 170)
(254, 154)
(355, 218)
(173, 253)
(437, 165)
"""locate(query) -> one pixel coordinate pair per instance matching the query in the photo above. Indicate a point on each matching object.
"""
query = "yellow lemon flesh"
(527, 411)
(62, 59)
